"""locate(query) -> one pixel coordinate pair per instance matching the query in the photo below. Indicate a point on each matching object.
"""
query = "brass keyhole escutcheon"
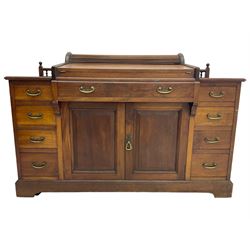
(128, 144)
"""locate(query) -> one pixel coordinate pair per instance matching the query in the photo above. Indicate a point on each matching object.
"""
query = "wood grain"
(50, 170)
(26, 138)
(227, 94)
(198, 170)
(226, 113)
(204, 139)
(48, 117)
(157, 138)
(128, 90)
(94, 137)
(44, 90)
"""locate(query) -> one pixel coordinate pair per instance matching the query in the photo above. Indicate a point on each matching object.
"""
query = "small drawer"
(215, 139)
(209, 165)
(35, 115)
(38, 164)
(217, 94)
(33, 92)
(36, 138)
(166, 90)
(214, 116)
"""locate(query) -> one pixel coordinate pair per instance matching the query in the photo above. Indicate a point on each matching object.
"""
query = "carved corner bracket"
(194, 109)
(56, 107)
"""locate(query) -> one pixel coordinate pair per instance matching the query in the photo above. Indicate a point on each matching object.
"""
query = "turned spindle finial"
(207, 71)
(40, 69)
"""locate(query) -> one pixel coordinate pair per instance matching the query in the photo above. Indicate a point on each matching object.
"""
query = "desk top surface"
(121, 66)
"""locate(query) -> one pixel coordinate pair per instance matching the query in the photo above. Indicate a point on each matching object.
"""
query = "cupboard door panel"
(158, 135)
(93, 137)
(97, 140)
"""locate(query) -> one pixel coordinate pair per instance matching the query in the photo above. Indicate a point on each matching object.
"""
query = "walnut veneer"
(124, 123)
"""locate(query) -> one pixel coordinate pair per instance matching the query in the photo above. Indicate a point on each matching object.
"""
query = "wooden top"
(221, 80)
(122, 66)
(133, 59)
(28, 78)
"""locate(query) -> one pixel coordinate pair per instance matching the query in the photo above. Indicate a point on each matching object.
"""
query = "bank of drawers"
(35, 130)
(213, 132)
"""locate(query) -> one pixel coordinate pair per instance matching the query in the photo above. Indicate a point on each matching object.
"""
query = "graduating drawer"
(209, 165)
(212, 139)
(164, 90)
(38, 164)
(217, 94)
(36, 138)
(35, 115)
(214, 116)
(34, 92)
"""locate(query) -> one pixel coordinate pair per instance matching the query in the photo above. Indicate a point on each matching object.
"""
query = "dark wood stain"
(141, 123)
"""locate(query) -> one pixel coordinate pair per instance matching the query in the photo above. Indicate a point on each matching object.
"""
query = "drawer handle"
(209, 165)
(215, 95)
(212, 141)
(87, 90)
(214, 117)
(39, 139)
(128, 145)
(35, 116)
(164, 90)
(33, 92)
(39, 165)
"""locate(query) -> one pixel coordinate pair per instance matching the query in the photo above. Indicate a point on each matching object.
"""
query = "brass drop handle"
(33, 92)
(216, 95)
(212, 141)
(87, 90)
(217, 116)
(37, 139)
(209, 165)
(164, 90)
(39, 165)
(128, 145)
(36, 116)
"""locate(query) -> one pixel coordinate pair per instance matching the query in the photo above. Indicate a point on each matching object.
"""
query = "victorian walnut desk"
(124, 123)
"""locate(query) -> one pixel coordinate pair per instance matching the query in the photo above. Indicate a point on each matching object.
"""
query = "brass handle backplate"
(212, 141)
(164, 90)
(87, 90)
(39, 165)
(217, 116)
(128, 144)
(37, 139)
(216, 95)
(209, 165)
(36, 116)
(33, 92)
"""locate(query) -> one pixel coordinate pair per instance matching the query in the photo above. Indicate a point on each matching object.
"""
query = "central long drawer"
(162, 91)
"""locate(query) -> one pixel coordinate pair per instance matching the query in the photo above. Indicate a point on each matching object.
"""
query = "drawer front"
(97, 89)
(214, 116)
(35, 115)
(217, 94)
(33, 92)
(36, 138)
(38, 164)
(215, 139)
(209, 165)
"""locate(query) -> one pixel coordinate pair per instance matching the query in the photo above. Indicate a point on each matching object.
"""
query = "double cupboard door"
(132, 141)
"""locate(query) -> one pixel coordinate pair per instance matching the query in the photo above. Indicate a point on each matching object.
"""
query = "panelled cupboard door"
(93, 140)
(156, 140)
